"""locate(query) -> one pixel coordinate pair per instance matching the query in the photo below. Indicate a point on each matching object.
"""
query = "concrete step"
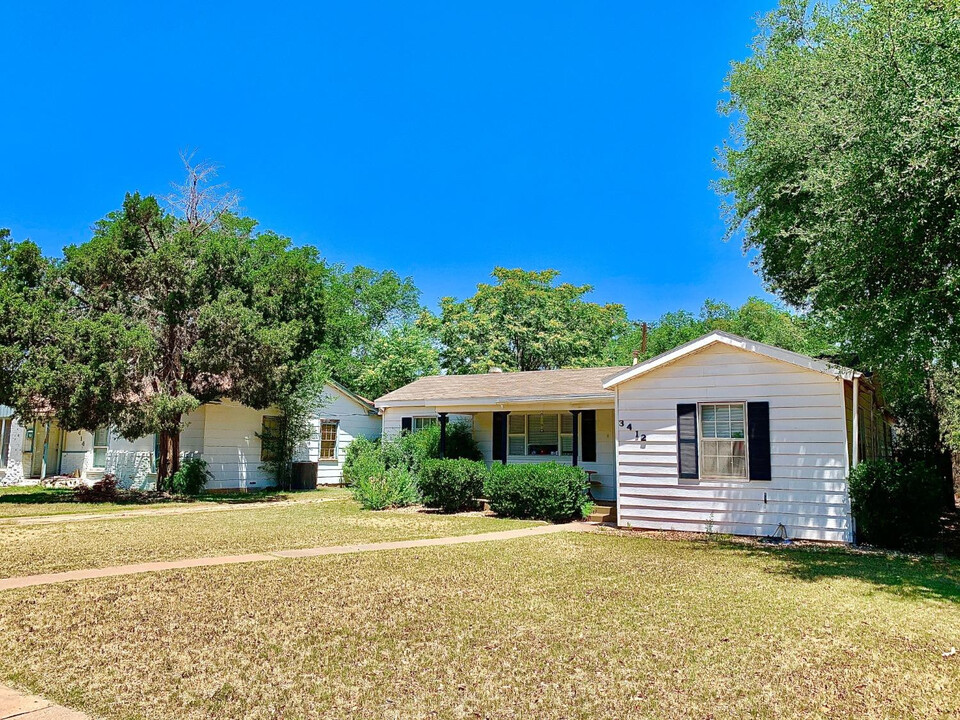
(603, 514)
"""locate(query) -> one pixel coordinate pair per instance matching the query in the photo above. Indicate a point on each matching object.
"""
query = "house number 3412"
(629, 426)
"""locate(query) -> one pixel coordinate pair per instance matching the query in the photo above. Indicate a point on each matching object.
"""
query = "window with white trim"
(270, 435)
(419, 423)
(101, 443)
(723, 443)
(540, 434)
(516, 434)
(328, 439)
(6, 427)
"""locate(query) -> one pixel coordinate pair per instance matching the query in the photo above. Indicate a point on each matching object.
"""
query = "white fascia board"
(736, 341)
(605, 399)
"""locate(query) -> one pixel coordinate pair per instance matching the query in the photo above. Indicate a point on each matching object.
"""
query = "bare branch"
(200, 202)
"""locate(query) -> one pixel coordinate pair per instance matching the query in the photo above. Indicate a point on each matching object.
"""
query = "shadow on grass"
(50, 496)
(910, 576)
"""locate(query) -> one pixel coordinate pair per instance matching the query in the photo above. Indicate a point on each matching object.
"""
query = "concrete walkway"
(118, 570)
(152, 512)
(15, 704)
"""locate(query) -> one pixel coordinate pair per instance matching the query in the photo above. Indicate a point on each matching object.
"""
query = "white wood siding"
(353, 420)
(808, 489)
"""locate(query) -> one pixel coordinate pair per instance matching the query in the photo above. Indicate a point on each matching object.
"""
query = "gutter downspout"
(856, 420)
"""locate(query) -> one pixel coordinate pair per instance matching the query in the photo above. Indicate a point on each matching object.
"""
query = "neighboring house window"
(419, 423)
(6, 425)
(723, 445)
(540, 434)
(101, 443)
(328, 439)
(269, 434)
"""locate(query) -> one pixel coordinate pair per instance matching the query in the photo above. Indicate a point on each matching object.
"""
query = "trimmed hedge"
(451, 485)
(545, 491)
(895, 503)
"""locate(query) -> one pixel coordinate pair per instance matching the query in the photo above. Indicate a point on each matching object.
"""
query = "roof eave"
(494, 400)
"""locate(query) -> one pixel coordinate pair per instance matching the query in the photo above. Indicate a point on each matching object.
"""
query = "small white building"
(722, 434)
(225, 434)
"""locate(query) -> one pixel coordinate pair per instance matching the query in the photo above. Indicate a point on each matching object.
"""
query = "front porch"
(526, 434)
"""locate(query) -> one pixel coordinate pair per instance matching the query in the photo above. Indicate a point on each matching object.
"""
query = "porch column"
(576, 437)
(443, 434)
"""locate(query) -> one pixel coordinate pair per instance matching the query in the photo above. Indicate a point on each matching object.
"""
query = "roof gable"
(350, 395)
(741, 343)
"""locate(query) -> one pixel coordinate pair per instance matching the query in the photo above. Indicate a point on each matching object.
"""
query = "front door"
(41, 450)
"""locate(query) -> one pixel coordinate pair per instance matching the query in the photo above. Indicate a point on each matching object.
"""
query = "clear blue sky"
(436, 138)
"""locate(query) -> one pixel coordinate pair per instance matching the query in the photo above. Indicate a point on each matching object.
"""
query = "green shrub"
(385, 488)
(451, 485)
(362, 457)
(545, 491)
(895, 503)
(191, 478)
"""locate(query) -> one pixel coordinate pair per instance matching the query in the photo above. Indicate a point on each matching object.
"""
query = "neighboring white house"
(225, 434)
(722, 434)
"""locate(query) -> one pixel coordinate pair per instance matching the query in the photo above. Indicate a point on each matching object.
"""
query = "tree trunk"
(163, 462)
(175, 451)
(169, 461)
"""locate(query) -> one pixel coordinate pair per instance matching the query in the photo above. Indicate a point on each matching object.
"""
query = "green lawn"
(32, 549)
(610, 625)
(30, 501)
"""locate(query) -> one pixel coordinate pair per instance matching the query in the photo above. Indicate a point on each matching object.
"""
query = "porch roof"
(498, 388)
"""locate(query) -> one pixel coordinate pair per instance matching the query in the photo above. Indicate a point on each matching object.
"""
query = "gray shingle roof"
(559, 384)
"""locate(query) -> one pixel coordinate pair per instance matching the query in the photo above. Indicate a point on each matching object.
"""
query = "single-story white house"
(722, 434)
(225, 434)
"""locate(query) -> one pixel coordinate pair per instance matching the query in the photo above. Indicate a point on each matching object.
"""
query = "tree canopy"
(756, 319)
(159, 313)
(526, 321)
(842, 170)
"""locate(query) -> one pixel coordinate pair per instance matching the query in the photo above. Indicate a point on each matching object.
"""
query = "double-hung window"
(540, 434)
(723, 444)
(517, 434)
(328, 439)
(270, 430)
(101, 443)
(419, 423)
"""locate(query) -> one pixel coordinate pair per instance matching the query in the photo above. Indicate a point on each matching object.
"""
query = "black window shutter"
(687, 440)
(406, 424)
(588, 436)
(758, 440)
(500, 437)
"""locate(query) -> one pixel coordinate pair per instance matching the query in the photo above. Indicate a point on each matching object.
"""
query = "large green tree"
(843, 171)
(526, 321)
(371, 317)
(161, 312)
(399, 356)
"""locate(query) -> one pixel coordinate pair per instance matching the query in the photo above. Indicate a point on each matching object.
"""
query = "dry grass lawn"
(606, 625)
(33, 549)
(37, 501)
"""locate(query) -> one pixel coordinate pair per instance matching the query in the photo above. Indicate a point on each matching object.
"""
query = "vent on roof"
(495, 370)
